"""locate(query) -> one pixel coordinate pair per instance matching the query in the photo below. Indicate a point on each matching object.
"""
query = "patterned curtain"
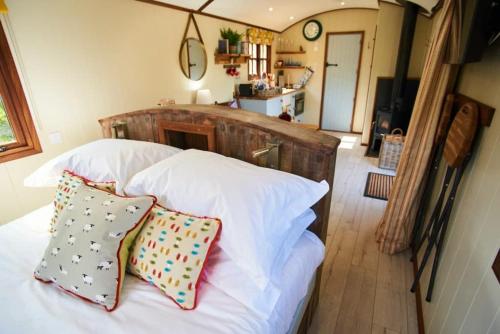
(260, 36)
(394, 230)
(3, 7)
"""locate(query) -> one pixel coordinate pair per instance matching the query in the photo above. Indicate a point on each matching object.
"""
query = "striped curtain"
(394, 230)
(260, 36)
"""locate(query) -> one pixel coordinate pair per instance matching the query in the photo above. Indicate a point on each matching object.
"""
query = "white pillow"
(298, 226)
(102, 160)
(256, 205)
(224, 274)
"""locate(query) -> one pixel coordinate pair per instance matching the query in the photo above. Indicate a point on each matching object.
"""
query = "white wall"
(378, 56)
(83, 60)
(341, 20)
(466, 295)
(389, 23)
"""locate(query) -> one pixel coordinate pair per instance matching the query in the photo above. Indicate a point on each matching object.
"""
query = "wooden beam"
(421, 12)
(188, 10)
(205, 5)
(166, 5)
(300, 21)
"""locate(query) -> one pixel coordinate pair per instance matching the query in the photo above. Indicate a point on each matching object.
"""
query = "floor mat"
(378, 186)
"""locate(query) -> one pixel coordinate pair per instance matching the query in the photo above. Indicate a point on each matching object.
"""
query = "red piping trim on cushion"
(85, 179)
(203, 267)
(120, 278)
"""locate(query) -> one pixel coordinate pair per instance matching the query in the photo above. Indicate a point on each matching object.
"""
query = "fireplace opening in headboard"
(186, 140)
(187, 135)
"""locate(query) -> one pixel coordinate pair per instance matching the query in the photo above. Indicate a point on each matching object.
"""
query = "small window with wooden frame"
(259, 61)
(18, 136)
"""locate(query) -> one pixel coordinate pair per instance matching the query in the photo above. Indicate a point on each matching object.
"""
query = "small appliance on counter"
(246, 89)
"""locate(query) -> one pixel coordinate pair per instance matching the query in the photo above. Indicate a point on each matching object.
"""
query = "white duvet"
(29, 306)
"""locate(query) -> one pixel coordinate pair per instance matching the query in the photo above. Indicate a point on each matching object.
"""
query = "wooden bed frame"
(236, 134)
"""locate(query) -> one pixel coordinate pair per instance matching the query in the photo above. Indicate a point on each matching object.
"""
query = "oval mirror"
(193, 59)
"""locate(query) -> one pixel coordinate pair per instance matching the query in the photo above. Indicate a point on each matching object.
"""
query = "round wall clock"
(312, 30)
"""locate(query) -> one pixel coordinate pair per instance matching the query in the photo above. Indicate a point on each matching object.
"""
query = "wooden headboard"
(236, 133)
(304, 152)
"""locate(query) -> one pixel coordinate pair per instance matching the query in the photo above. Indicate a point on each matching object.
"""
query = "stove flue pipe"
(404, 54)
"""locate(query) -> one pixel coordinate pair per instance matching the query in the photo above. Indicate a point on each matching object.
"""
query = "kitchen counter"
(272, 105)
(269, 97)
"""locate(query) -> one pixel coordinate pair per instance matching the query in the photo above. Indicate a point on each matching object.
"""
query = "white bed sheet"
(27, 305)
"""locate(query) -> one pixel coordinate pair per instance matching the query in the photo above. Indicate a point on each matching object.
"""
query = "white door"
(341, 66)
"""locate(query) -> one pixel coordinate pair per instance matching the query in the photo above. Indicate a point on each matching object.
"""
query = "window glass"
(6, 134)
(18, 137)
(251, 67)
(253, 51)
(263, 67)
(263, 51)
(259, 60)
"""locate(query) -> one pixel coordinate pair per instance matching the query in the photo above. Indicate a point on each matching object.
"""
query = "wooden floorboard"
(362, 290)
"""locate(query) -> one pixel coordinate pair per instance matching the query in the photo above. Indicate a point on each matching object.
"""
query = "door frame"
(327, 37)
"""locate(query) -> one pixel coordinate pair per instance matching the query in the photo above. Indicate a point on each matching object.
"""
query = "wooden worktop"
(269, 97)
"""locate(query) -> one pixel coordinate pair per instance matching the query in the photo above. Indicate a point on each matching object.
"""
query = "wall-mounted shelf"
(290, 52)
(289, 67)
(231, 58)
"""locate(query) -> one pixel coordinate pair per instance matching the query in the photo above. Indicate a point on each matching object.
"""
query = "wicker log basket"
(390, 149)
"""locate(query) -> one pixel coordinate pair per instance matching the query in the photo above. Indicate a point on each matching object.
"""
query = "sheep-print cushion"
(170, 253)
(88, 251)
(66, 186)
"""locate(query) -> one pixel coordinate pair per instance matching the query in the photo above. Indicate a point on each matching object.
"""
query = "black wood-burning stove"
(393, 107)
(383, 117)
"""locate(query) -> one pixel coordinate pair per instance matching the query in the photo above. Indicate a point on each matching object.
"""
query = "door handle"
(327, 64)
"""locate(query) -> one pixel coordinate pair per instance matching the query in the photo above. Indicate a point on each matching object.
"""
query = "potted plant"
(233, 38)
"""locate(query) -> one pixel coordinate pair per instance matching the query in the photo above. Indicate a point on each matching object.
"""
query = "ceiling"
(277, 15)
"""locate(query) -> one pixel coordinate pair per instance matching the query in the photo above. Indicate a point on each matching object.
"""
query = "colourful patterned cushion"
(88, 251)
(65, 190)
(171, 250)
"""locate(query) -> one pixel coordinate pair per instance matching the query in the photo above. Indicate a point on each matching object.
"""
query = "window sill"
(18, 153)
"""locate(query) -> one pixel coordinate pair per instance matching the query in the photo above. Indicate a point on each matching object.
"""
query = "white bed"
(27, 305)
